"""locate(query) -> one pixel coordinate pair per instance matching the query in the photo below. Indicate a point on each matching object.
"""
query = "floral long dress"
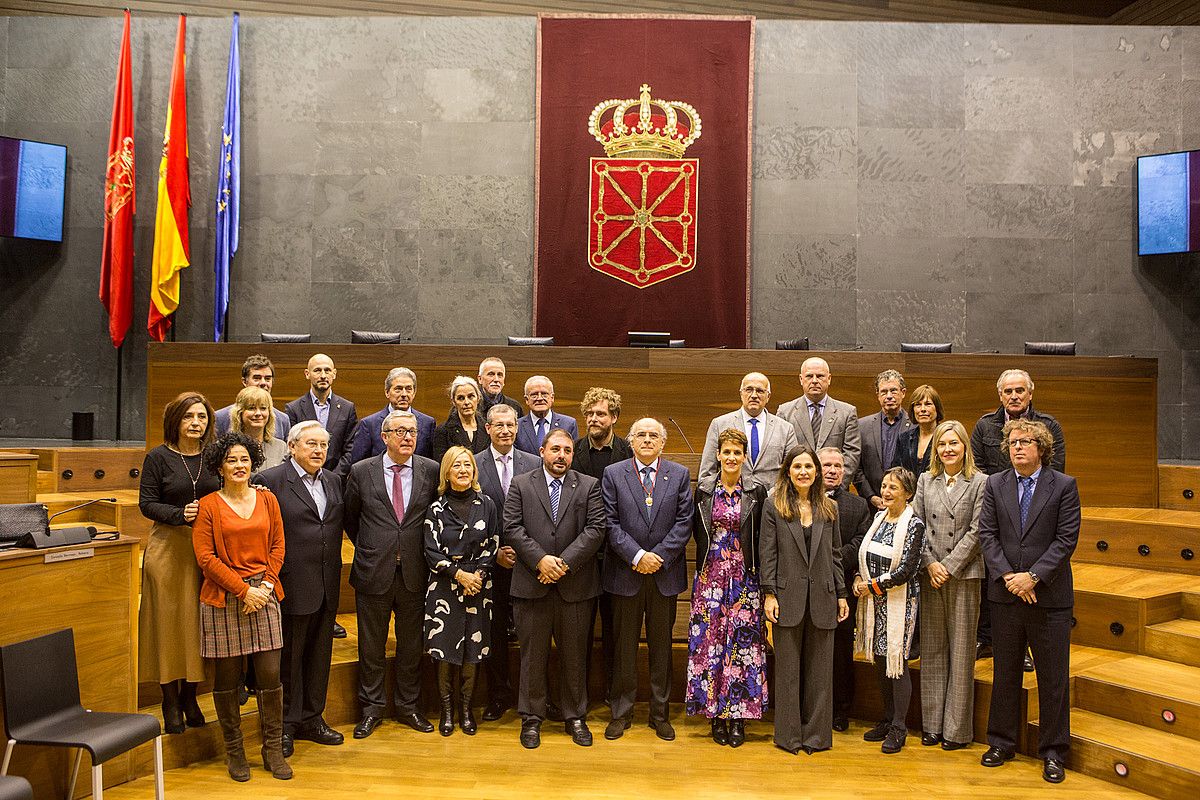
(726, 677)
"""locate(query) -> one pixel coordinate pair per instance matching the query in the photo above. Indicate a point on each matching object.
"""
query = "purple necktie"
(397, 492)
(505, 475)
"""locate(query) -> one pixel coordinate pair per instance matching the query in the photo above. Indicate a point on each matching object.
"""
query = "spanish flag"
(174, 200)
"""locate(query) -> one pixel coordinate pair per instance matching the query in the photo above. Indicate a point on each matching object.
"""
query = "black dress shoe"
(930, 739)
(793, 751)
(894, 741)
(554, 713)
(878, 733)
(663, 729)
(494, 710)
(720, 731)
(949, 745)
(1054, 771)
(737, 733)
(808, 751)
(531, 734)
(579, 732)
(338, 631)
(289, 746)
(416, 722)
(1028, 661)
(982, 650)
(366, 726)
(995, 756)
(616, 728)
(320, 733)
(840, 724)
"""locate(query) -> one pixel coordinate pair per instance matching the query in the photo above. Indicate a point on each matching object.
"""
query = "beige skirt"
(169, 616)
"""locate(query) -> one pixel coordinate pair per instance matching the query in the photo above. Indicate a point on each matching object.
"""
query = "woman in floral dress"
(726, 678)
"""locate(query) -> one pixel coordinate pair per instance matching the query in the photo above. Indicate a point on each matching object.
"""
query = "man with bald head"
(769, 437)
(336, 415)
(821, 421)
(533, 427)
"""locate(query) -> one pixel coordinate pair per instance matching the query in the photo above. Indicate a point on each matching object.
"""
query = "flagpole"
(120, 351)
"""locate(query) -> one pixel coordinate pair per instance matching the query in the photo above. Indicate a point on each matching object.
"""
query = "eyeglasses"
(1022, 442)
(312, 444)
(403, 433)
(646, 435)
(539, 394)
(754, 390)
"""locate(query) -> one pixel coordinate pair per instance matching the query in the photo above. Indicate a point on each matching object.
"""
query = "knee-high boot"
(270, 718)
(229, 713)
(446, 697)
(468, 690)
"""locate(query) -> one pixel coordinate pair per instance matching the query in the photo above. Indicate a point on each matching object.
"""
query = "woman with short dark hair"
(915, 444)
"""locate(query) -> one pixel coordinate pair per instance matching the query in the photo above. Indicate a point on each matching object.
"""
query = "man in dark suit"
(554, 520)
(1028, 529)
(336, 414)
(648, 501)
(310, 501)
(399, 387)
(1016, 402)
(386, 499)
(497, 466)
(533, 427)
(599, 447)
(257, 370)
(821, 421)
(879, 433)
(491, 383)
(854, 518)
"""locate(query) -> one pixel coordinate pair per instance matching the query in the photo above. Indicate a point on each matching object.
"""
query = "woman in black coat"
(465, 425)
(914, 445)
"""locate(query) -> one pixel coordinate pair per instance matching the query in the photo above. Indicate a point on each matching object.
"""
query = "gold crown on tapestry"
(655, 129)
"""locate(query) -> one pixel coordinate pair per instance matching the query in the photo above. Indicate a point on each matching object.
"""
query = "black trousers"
(537, 622)
(843, 664)
(374, 613)
(1047, 631)
(496, 663)
(307, 653)
(658, 612)
(983, 629)
(602, 608)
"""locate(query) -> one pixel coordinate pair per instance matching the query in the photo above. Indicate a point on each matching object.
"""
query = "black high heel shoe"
(737, 733)
(720, 733)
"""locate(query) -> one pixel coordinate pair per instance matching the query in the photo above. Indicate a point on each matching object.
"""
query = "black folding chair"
(40, 686)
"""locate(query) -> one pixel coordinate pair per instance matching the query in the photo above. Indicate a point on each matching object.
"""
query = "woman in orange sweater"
(238, 538)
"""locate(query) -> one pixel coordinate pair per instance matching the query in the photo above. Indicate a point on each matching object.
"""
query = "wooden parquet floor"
(396, 762)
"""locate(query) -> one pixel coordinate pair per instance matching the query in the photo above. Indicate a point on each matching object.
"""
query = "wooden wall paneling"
(1175, 482)
(18, 477)
(693, 386)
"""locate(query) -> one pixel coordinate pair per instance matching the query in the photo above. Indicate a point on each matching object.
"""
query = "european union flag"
(229, 185)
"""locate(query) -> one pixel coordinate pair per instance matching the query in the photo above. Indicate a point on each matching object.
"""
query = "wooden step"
(1190, 602)
(1177, 640)
(1158, 764)
(1114, 604)
(1144, 538)
(1179, 487)
(1158, 694)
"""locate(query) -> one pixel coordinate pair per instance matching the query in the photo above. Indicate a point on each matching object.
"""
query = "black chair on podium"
(1049, 348)
(40, 686)
(926, 347)
(286, 338)
(375, 337)
(531, 341)
(791, 344)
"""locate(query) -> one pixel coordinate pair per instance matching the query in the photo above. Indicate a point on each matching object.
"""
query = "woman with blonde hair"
(804, 599)
(462, 535)
(948, 498)
(254, 416)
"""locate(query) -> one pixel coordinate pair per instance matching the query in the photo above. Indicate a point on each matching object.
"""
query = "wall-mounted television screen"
(33, 183)
(1168, 203)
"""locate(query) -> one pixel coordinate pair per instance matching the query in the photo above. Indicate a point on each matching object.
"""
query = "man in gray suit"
(386, 499)
(819, 420)
(880, 432)
(769, 436)
(648, 501)
(554, 520)
(498, 465)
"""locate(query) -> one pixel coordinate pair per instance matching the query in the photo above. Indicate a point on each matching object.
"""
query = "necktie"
(555, 485)
(541, 431)
(648, 479)
(1026, 499)
(505, 475)
(816, 424)
(753, 441)
(397, 492)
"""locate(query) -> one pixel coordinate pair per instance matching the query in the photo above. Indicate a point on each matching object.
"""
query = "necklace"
(195, 480)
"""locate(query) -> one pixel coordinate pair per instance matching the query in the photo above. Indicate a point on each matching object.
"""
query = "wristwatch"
(1033, 576)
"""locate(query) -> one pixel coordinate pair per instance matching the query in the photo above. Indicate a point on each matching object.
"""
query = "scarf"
(896, 597)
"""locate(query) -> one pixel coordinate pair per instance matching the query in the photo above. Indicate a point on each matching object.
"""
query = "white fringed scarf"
(896, 597)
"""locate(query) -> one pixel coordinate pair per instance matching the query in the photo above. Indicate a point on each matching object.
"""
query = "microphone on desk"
(684, 435)
(82, 505)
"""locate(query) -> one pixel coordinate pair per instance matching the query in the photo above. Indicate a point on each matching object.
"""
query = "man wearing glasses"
(386, 499)
(533, 427)
(769, 437)
(1028, 529)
